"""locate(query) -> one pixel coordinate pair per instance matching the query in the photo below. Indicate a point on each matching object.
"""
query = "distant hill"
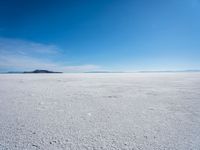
(47, 71)
(41, 71)
(170, 71)
(13, 72)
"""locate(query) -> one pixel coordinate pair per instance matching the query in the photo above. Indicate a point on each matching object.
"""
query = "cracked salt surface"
(100, 111)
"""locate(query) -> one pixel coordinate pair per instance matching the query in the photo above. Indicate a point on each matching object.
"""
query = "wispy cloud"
(18, 46)
(16, 54)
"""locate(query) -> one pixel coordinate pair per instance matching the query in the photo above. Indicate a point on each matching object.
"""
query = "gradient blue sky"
(87, 35)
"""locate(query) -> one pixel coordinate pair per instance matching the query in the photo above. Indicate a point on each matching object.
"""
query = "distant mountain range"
(35, 71)
(47, 71)
(169, 71)
(150, 71)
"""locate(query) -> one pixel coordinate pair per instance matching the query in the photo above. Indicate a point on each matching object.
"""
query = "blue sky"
(88, 35)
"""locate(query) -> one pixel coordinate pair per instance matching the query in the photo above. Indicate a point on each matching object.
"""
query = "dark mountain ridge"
(41, 71)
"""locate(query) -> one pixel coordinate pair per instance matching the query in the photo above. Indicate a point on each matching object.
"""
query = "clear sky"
(88, 35)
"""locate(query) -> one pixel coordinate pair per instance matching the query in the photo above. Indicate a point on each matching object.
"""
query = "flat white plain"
(100, 111)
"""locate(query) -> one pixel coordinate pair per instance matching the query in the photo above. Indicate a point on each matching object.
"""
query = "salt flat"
(138, 111)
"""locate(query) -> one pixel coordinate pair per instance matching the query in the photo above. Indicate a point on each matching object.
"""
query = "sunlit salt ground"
(100, 111)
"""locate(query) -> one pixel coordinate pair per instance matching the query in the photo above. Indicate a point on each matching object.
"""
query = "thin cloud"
(29, 63)
(18, 46)
(17, 54)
